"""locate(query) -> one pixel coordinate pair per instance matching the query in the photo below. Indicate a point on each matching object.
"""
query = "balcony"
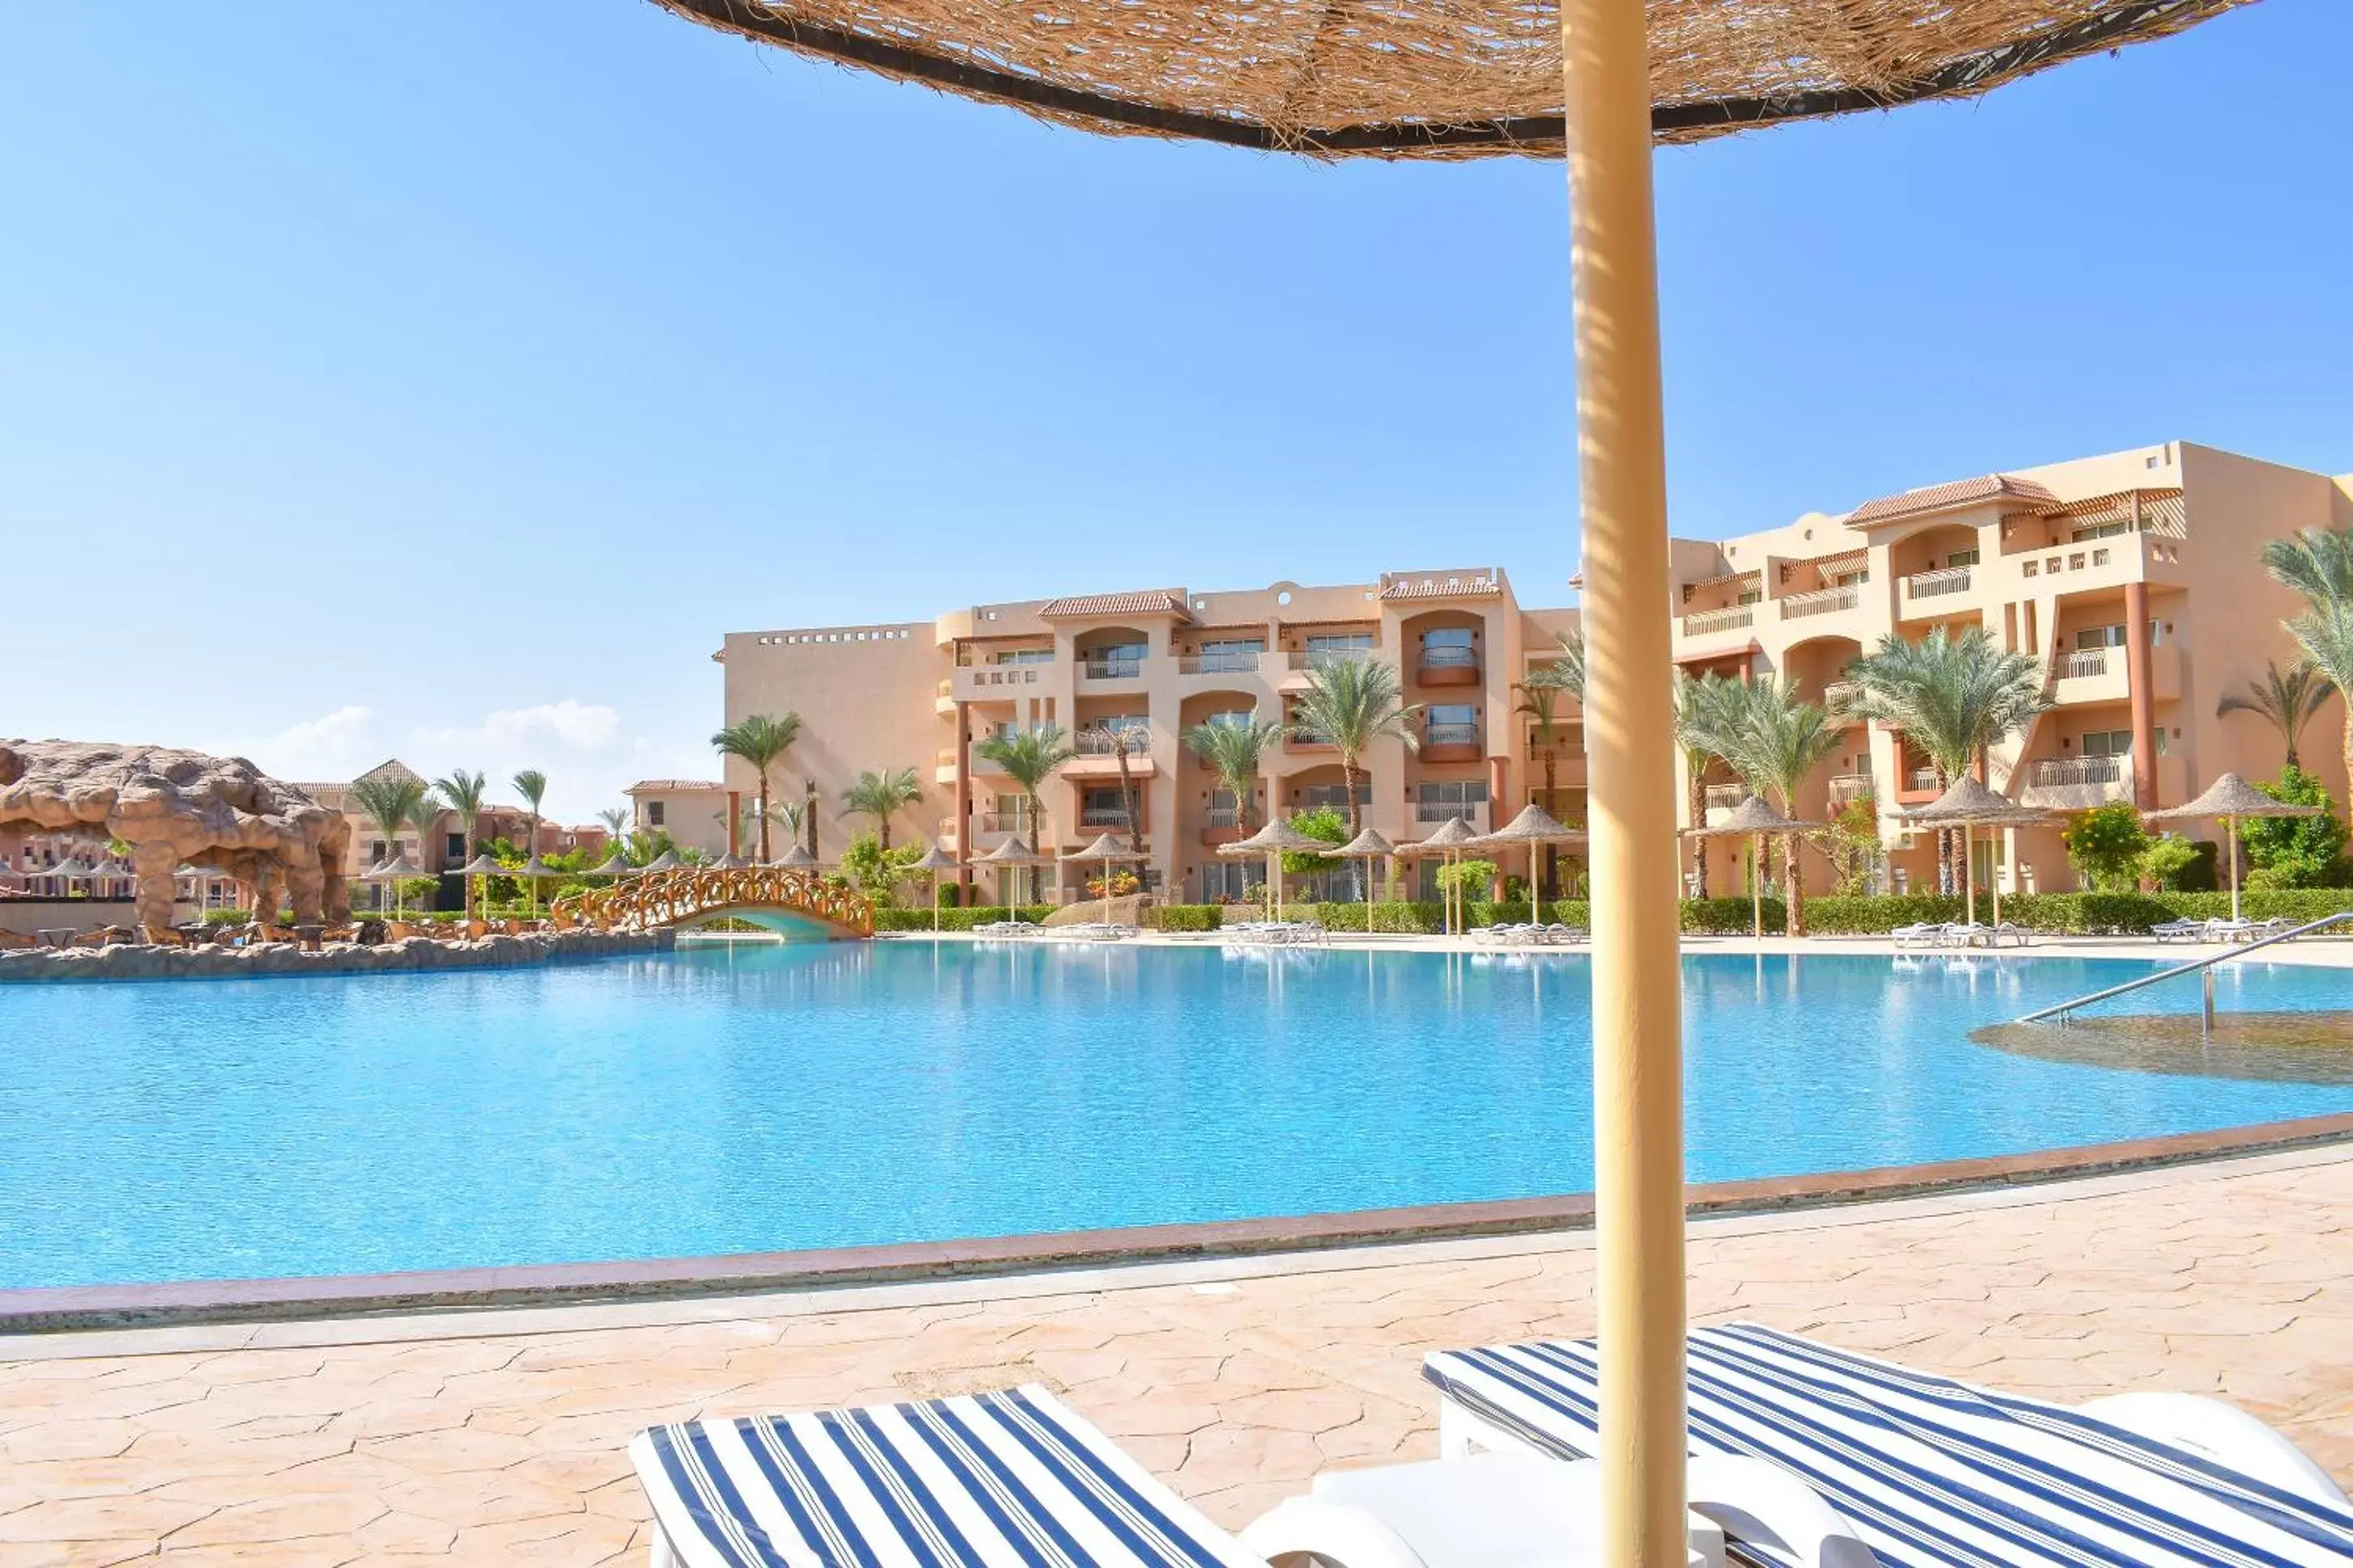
(1435, 812)
(979, 682)
(1821, 602)
(1307, 741)
(1221, 825)
(1723, 797)
(943, 767)
(1227, 663)
(943, 698)
(1848, 788)
(2077, 784)
(1110, 667)
(1105, 743)
(1446, 664)
(1714, 623)
(1111, 816)
(1839, 696)
(997, 822)
(1941, 583)
(2103, 675)
(1449, 743)
(1918, 786)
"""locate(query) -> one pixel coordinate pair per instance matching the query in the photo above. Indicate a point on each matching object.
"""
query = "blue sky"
(444, 379)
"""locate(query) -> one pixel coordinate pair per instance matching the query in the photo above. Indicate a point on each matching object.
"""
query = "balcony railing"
(1301, 737)
(1104, 817)
(2082, 662)
(1821, 602)
(1840, 695)
(1723, 797)
(1710, 621)
(1230, 663)
(1439, 810)
(1112, 667)
(1449, 735)
(2058, 773)
(1103, 743)
(1848, 788)
(1222, 816)
(1935, 585)
(1316, 658)
(997, 822)
(1002, 674)
(1923, 778)
(1448, 656)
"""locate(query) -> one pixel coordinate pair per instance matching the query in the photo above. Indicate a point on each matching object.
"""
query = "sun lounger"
(1004, 928)
(1932, 1471)
(1926, 934)
(1975, 935)
(1015, 1476)
(2179, 930)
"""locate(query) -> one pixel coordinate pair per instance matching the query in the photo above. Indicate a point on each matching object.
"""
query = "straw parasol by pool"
(1598, 83)
(616, 865)
(481, 865)
(1368, 847)
(667, 860)
(934, 861)
(1968, 804)
(796, 858)
(1109, 850)
(1754, 820)
(531, 871)
(1014, 852)
(731, 861)
(2230, 798)
(1534, 828)
(1275, 840)
(394, 870)
(1453, 837)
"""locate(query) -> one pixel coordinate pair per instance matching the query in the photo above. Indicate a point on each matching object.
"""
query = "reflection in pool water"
(738, 1100)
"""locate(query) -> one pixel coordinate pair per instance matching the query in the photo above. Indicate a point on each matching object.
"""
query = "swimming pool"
(747, 1099)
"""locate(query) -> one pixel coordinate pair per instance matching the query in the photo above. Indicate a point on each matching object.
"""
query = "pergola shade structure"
(1448, 79)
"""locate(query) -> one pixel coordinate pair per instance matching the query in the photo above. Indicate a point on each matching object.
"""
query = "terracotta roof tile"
(1431, 585)
(1960, 492)
(1159, 602)
(643, 785)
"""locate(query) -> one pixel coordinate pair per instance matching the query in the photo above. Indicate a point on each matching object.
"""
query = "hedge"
(953, 919)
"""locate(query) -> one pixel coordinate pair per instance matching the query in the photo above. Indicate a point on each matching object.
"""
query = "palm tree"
(1351, 703)
(1953, 698)
(1706, 719)
(2325, 631)
(1125, 741)
(878, 796)
(1567, 672)
(532, 785)
(389, 801)
(615, 819)
(760, 739)
(2317, 562)
(1780, 742)
(1030, 757)
(1540, 700)
(2288, 698)
(465, 792)
(1234, 751)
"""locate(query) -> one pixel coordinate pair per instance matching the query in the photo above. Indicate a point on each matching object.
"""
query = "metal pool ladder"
(2203, 968)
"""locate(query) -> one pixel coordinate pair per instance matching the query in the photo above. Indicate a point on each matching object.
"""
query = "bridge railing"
(657, 898)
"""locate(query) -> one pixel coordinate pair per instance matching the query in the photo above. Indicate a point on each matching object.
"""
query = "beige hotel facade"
(2133, 578)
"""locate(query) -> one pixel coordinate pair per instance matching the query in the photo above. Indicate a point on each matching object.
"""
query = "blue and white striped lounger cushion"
(1005, 1477)
(1930, 1472)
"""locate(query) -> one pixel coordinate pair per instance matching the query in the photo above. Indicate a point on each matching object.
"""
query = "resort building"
(444, 848)
(1154, 664)
(694, 812)
(2135, 579)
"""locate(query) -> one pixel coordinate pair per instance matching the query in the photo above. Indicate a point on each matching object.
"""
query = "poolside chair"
(2183, 929)
(1935, 1471)
(1015, 1477)
(1926, 934)
(1975, 935)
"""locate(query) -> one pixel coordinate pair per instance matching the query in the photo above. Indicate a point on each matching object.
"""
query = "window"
(1750, 596)
(1233, 644)
(2099, 636)
(1435, 800)
(1450, 724)
(2031, 569)
(2100, 531)
(2107, 744)
(1022, 655)
(376, 849)
(453, 847)
(1230, 879)
(1103, 808)
(1445, 637)
(1239, 718)
(653, 814)
(1849, 578)
(1962, 557)
(1338, 642)
(1319, 798)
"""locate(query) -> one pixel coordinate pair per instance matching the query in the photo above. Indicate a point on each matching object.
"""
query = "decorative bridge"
(693, 894)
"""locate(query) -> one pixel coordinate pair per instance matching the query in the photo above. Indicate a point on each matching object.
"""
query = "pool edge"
(75, 1309)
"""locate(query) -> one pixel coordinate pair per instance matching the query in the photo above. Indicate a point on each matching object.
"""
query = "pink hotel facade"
(2133, 578)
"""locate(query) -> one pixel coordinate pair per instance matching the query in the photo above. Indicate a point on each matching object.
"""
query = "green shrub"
(1182, 917)
(2106, 844)
(958, 919)
(1737, 916)
(226, 917)
(2290, 852)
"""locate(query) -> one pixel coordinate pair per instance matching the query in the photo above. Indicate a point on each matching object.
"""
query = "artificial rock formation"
(173, 807)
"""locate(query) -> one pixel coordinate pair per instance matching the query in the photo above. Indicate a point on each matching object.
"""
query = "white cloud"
(336, 746)
(584, 729)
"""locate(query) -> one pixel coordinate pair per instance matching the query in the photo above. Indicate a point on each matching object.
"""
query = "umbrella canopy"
(1279, 839)
(534, 866)
(1108, 847)
(1454, 78)
(394, 870)
(1753, 814)
(935, 859)
(727, 863)
(1365, 846)
(481, 865)
(667, 860)
(71, 866)
(1453, 833)
(1533, 825)
(1968, 802)
(2231, 795)
(796, 858)
(1014, 851)
(618, 866)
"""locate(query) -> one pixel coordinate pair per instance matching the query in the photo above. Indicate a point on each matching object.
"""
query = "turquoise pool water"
(755, 1098)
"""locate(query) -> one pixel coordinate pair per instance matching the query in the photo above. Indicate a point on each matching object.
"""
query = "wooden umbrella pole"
(1757, 886)
(2230, 847)
(1636, 1002)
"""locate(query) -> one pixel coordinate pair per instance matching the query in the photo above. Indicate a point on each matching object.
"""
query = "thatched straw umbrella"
(667, 860)
(1110, 849)
(1452, 837)
(797, 859)
(1275, 840)
(934, 861)
(616, 865)
(2231, 798)
(1465, 78)
(1015, 851)
(481, 865)
(731, 861)
(1754, 820)
(394, 870)
(531, 871)
(1533, 828)
(1368, 847)
(1968, 804)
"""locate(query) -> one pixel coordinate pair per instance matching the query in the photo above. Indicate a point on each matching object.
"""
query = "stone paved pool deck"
(497, 1438)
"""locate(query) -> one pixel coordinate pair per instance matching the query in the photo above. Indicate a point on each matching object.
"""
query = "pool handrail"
(2195, 966)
